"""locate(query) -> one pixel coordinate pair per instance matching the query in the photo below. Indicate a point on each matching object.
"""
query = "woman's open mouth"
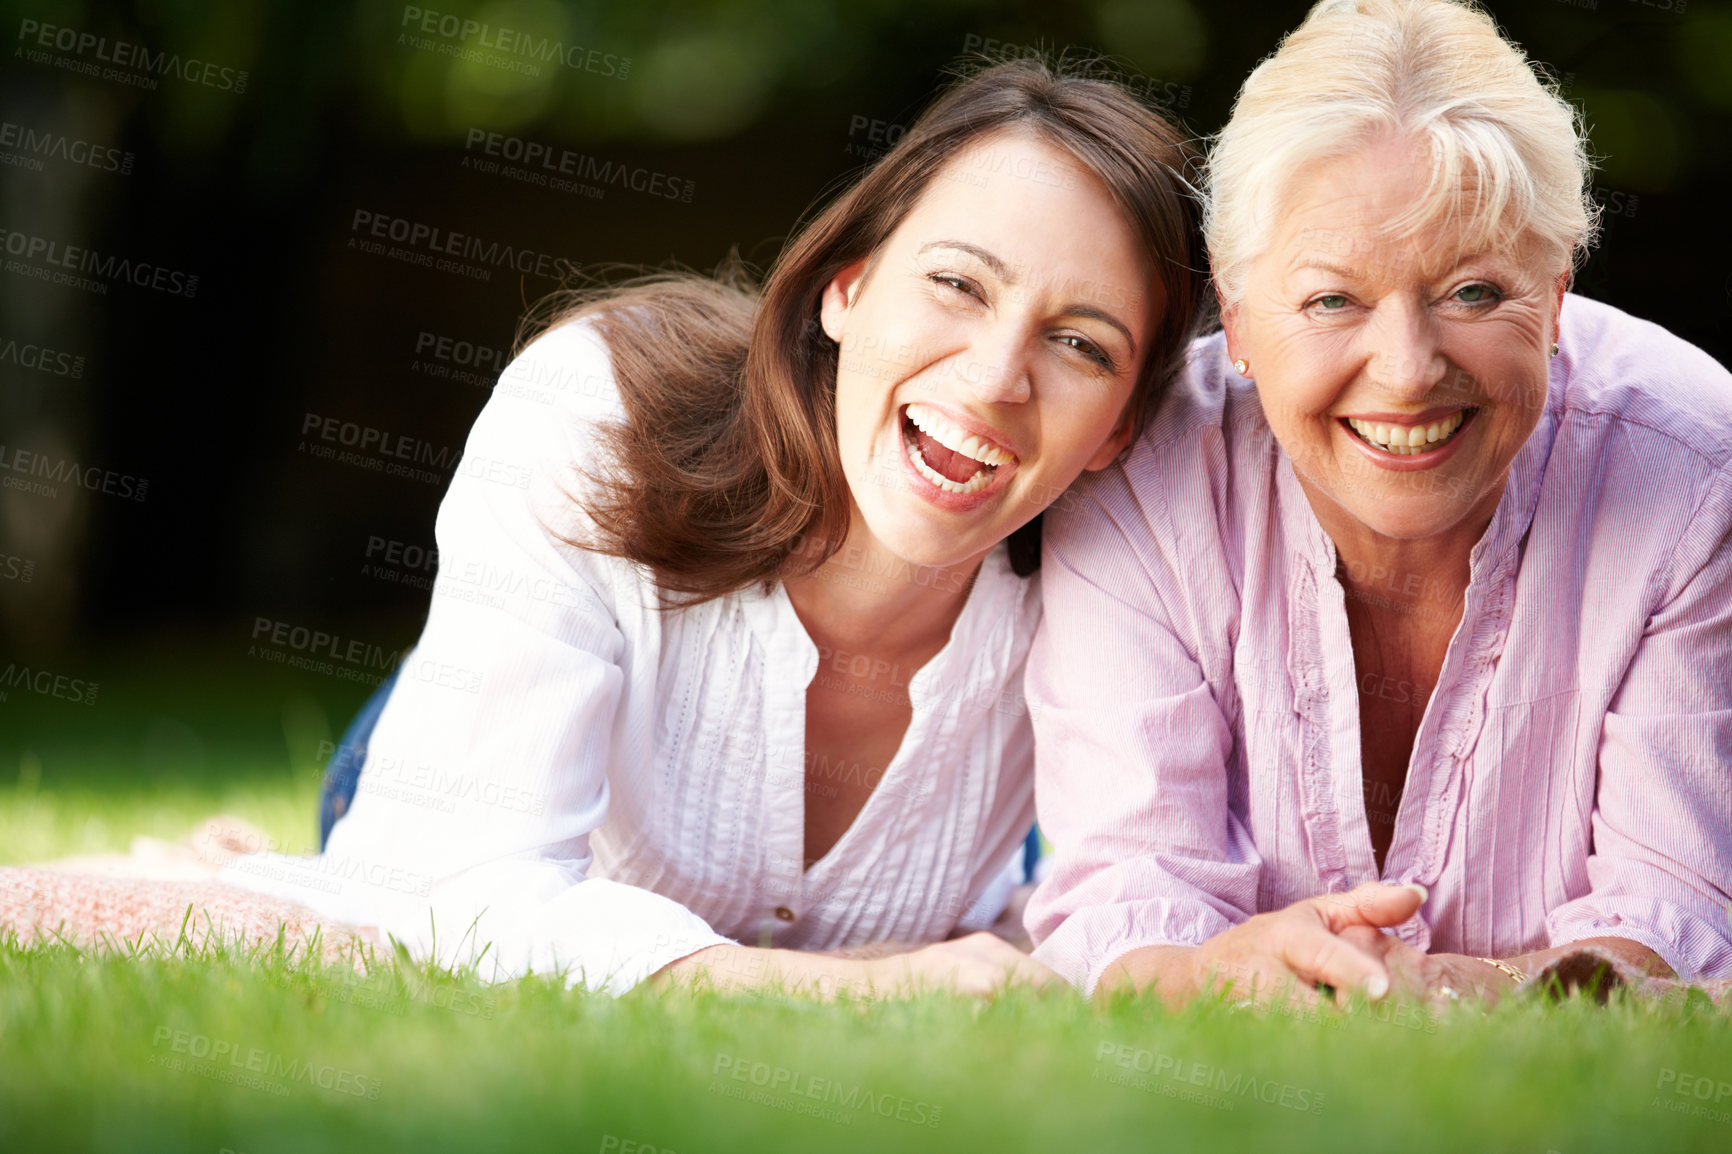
(948, 456)
(1409, 440)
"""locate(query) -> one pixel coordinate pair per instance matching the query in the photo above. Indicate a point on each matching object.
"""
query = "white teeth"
(1406, 440)
(935, 425)
(981, 479)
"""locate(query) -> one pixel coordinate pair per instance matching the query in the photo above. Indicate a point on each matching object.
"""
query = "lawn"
(204, 1051)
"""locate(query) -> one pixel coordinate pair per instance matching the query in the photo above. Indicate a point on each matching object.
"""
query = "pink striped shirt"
(1196, 709)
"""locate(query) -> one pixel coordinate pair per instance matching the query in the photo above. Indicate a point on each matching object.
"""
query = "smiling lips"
(1408, 440)
(949, 456)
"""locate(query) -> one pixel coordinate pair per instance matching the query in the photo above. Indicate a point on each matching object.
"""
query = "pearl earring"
(1243, 366)
(1554, 348)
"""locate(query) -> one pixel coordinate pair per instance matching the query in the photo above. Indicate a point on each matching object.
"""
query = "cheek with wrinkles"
(1517, 386)
(1296, 412)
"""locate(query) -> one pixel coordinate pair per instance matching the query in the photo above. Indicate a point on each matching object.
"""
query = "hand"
(1282, 954)
(1439, 979)
(979, 964)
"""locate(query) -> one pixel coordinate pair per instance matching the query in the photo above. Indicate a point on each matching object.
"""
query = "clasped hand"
(1333, 945)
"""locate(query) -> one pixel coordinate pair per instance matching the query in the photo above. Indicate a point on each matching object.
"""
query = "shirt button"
(785, 913)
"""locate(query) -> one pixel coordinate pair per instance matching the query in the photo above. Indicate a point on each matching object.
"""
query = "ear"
(1113, 445)
(1230, 327)
(1562, 285)
(839, 297)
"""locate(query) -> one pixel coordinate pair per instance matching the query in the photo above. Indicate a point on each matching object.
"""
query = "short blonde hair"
(1508, 153)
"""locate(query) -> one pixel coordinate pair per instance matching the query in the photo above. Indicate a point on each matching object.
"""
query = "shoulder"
(566, 373)
(518, 501)
(1619, 370)
(542, 427)
(1643, 448)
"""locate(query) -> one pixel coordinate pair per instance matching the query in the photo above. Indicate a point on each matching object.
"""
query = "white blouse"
(567, 777)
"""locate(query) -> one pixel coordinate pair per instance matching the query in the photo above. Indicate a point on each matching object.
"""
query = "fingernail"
(1424, 894)
(1376, 987)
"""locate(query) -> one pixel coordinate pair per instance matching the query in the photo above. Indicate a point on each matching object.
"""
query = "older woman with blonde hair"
(1395, 655)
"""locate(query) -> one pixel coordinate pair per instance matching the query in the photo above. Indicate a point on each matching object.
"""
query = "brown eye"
(1088, 349)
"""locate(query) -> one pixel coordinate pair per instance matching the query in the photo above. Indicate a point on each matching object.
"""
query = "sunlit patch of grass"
(176, 1046)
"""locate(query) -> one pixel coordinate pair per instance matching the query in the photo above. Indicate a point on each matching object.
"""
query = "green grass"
(417, 1060)
(431, 1063)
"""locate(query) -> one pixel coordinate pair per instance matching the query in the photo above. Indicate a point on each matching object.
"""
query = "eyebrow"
(1324, 265)
(999, 269)
(1105, 318)
(1004, 273)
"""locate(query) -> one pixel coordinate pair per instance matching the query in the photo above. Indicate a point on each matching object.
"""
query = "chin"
(1406, 520)
(928, 544)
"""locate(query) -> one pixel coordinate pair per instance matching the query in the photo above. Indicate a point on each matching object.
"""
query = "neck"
(1404, 571)
(867, 599)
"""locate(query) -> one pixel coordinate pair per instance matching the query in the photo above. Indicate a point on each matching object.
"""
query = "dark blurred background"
(193, 289)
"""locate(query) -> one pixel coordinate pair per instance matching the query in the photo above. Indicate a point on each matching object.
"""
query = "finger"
(981, 980)
(1002, 964)
(986, 944)
(1372, 904)
(1376, 944)
(1370, 939)
(1409, 969)
(1029, 972)
(1317, 955)
(1412, 973)
(991, 949)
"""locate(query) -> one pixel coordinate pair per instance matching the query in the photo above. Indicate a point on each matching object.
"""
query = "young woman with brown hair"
(722, 672)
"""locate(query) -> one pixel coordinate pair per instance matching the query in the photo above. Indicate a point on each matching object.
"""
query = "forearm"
(1632, 954)
(978, 964)
(1169, 972)
(1177, 974)
(732, 969)
(1484, 978)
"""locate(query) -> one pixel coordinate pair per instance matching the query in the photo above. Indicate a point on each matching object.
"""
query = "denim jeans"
(344, 773)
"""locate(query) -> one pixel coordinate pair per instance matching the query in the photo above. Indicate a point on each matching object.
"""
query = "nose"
(1404, 360)
(995, 368)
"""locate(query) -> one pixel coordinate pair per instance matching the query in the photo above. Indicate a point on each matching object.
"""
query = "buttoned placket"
(791, 661)
(1320, 657)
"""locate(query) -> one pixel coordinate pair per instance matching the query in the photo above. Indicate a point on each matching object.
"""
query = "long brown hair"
(725, 472)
